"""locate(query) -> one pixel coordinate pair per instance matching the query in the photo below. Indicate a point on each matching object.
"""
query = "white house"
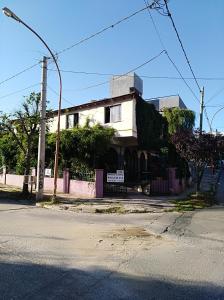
(118, 112)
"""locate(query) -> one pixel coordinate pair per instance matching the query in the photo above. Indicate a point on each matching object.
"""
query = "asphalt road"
(46, 254)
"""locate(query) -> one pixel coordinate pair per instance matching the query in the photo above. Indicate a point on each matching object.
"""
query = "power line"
(164, 47)
(18, 91)
(154, 25)
(58, 95)
(103, 30)
(215, 95)
(19, 73)
(125, 74)
(181, 44)
(143, 76)
(82, 41)
(173, 63)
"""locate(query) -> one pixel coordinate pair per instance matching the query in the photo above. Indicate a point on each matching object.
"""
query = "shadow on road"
(12, 195)
(30, 281)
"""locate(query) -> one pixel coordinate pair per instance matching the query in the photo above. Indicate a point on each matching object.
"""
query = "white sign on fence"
(48, 172)
(120, 172)
(116, 177)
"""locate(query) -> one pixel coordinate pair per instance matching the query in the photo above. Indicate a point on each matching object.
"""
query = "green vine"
(151, 126)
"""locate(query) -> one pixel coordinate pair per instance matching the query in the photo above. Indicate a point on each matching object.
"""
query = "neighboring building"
(167, 102)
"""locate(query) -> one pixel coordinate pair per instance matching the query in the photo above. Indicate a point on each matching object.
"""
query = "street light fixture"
(10, 14)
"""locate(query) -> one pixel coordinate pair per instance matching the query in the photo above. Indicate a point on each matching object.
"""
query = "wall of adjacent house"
(125, 128)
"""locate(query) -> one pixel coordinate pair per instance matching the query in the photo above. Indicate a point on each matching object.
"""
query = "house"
(167, 102)
(139, 127)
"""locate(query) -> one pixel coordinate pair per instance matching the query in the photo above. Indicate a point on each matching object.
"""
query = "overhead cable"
(103, 30)
(19, 73)
(125, 74)
(181, 44)
(170, 59)
(18, 91)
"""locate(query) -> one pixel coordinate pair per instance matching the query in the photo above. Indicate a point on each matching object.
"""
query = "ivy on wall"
(151, 126)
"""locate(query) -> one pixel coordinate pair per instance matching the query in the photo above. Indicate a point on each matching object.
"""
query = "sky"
(61, 24)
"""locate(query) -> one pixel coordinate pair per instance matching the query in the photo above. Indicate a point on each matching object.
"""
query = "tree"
(179, 119)
(201, 149)
(22, 129)
(81, 148)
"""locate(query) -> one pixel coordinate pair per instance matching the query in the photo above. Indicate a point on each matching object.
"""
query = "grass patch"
(194, 201)
(110, 210)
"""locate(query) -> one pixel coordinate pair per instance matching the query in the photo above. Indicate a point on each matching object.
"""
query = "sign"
(48, 172)
(116, 177)
(120, 172)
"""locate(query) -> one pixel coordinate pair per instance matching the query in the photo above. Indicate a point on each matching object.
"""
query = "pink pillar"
(99, 183)
(66, 181)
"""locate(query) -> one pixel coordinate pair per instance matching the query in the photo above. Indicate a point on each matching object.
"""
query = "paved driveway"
(46, 254)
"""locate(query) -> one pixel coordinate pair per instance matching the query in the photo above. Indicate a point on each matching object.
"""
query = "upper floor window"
(113, 114)
(72, 120)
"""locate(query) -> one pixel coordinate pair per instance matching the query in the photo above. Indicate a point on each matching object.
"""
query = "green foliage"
(179, 119)
(19, 135)
(81, 148)
(8, 150)
(151, 126)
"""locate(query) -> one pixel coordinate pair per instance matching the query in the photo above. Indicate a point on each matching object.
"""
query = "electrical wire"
(164, 47)
(81, 41)
(19, 73)
(154, 25)
(125, 74)
(175, 66)
(143, 76)
(50, 88)
(181, 44)
(215, 95)
(18, 91)
(102, 30)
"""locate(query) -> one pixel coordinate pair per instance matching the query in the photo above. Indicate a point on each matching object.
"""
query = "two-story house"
(120, 111)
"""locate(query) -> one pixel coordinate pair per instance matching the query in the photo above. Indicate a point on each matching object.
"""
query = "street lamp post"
(10, 14)
(216, 114)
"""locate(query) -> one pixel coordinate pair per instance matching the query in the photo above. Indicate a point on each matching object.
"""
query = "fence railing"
(83, 176)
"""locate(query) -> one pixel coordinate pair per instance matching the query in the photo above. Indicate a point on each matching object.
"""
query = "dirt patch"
(110, 210)
(131, 232)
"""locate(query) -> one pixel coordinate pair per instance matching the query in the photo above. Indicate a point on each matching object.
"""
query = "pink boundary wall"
(172, 185)
(74, 187)
(49, 184)
(82, 188)
(86, 189)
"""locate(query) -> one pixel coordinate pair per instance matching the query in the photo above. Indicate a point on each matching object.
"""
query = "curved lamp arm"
(10, 14)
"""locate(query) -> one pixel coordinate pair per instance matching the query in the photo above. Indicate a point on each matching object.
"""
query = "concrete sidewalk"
(133, 203)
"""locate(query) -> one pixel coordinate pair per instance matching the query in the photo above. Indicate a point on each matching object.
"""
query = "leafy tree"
(8, 150)
(81, 148)
(179, 119)
(201, 149)
(21, 128)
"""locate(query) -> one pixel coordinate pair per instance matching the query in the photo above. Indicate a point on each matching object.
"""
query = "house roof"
(97, 103)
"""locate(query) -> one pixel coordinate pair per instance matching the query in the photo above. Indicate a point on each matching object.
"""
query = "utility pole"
(201, 110)
(42, 131)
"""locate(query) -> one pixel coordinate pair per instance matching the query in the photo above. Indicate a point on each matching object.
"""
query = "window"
(72, 120)
(76, 119)
(113, 114)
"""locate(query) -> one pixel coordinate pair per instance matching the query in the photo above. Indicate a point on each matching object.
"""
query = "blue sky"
(63, 23)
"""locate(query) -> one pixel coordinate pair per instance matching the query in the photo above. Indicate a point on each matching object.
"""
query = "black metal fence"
(83, 176)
